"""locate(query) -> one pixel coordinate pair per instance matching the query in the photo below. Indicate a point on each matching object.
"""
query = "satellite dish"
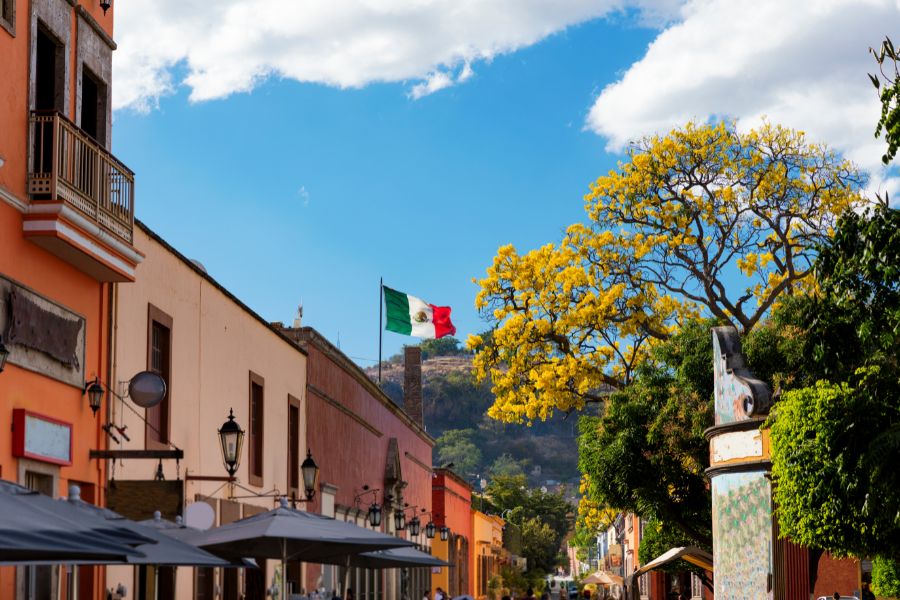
(199, 515)
(147, 389)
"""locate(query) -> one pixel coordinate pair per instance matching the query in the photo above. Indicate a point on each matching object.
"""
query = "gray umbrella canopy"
(294, 535)
(182, 533)
(396, 558)
(35, 528)
(161, 550)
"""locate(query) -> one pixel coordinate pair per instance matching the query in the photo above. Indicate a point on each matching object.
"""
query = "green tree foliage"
(540, 544)
(456, 446)
(506, 465)
(889, 95)
(836, 430)
(445, 346)
(647, 454)
(830, 491)
(885, 577)
(542, 517)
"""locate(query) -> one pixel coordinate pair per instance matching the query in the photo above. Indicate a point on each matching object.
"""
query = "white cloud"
(303, 193)
(434, 82)
(799, 63)
(228, 46)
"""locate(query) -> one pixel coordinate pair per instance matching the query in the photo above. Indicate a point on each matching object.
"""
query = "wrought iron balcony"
(68, 165)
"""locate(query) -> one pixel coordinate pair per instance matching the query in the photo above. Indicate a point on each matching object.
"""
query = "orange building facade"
(452, 506)
(66, 231)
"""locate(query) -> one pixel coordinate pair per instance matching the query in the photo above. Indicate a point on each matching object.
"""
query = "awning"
(692, 554)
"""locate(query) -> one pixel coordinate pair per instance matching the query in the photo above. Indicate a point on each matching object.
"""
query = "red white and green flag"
(413, 316)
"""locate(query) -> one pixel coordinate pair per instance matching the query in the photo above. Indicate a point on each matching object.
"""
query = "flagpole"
(380, 321)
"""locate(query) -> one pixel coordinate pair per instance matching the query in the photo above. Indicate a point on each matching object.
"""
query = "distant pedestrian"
(425, 595)
(439, 594)
(349, 594)
(836, 596)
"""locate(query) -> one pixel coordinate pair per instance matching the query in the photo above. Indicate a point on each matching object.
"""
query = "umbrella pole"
(346, 579)
(283, 569)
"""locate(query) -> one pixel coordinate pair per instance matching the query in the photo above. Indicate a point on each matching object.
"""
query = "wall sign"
(41, 438)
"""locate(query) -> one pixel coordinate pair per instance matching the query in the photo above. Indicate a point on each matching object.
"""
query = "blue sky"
(300, 191)
(302, 150)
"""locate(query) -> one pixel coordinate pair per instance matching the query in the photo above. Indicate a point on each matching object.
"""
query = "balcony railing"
(67, 164)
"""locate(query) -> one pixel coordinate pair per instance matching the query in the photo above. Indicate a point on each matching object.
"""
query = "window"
(93, 105)
(696, 586)
(293, 453)
(8, 16)
(159, 360)
(644, 585)
(256, 429)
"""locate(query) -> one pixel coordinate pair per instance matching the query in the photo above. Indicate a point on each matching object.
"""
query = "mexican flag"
(413, 316)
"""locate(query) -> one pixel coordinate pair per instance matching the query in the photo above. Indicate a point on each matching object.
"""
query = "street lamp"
(399, 520)
(429, 529)
(310, 471)
(94, 393)
(414, 526)
(105, 4)
(445, 533)
(4, 354)
(231, 437)
(375, 514)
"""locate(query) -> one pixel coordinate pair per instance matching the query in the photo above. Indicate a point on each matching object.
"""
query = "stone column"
(739, 474)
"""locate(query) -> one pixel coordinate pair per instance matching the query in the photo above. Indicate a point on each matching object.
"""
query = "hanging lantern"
(429, 529)
(95, 395)
(231, 437)
(445, 533)
(414, 526)
(310, 471)
(399, 520)
(375, 515)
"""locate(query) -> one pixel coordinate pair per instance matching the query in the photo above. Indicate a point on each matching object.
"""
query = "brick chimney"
(412, 383)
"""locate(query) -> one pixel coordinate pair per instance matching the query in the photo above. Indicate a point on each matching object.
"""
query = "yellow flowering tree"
(703, 221)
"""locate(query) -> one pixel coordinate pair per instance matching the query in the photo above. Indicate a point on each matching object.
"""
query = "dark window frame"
(152, 440)
(294, 480)
(101, 105)
(256, 447)
(8, 16)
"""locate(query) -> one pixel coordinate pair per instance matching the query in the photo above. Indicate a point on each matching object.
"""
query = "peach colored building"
(66, 207)
(488, 553)
(217, 355)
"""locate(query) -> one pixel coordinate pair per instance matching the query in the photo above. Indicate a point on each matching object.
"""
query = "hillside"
(455, 407)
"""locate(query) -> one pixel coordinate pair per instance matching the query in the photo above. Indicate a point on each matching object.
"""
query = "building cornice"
(92, 22)
(204, 275)
(308, 335)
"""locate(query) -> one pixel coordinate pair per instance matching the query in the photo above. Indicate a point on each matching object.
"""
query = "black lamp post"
(4, 354)
(105, 4)
(231, 437)
(445, 533)
(310, 471)
(94, 393)
(429, 529)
